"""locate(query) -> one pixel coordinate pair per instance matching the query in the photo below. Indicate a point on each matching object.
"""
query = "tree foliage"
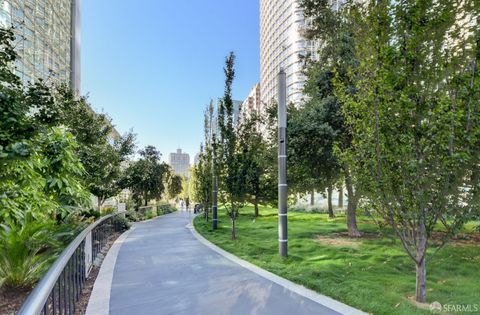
(232, 175)
(414, 116)
(146, 177)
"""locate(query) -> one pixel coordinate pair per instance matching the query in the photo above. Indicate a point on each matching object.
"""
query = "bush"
(92, 213)
(122, 222)
(108, 210)
(150, 214)
(165, 208)
(27, 249)
(132, 216)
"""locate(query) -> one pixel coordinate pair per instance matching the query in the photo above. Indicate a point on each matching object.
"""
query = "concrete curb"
(99, 302)
(287, 284)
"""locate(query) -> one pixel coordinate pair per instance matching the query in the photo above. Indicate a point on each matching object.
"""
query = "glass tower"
(47, 39)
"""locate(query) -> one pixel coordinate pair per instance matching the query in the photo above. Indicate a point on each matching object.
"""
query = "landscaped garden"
(371, 273)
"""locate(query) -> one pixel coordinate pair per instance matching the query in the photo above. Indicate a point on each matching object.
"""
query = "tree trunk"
(255, 203)
(99, 202)
(234, 235)
(145, 195)
(340, 196)
(206, 214)
(351, 208)
(312, 197)
(421, 271)
(329, 201)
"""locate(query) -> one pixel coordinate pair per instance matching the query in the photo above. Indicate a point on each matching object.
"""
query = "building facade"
(47, 39)
(180, 162)
(282, 46)
(253, 103)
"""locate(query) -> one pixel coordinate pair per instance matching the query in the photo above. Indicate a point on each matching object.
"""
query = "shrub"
(27, 249)
(150, 214)
(164, 209)
(132, 216)
(108, 210)
(92, 213)
(122, 222)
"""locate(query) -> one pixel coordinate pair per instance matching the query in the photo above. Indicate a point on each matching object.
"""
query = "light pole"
(215, 182)
(282, 164)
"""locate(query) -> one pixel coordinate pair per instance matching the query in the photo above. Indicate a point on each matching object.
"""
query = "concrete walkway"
(162, 268)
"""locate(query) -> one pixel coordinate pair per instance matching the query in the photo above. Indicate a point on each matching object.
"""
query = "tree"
(414, 117)
(254, 155)
(109, 164)
(311, 140)
(174, 185)
(336, 58)
(232, 177)
(146, 177)
(202, 172)
(39, 170)
(101, 154)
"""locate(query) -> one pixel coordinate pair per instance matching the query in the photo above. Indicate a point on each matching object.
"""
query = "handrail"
(36, 300)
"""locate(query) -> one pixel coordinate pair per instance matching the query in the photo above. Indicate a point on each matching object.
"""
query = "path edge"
(99, 302)
(287, 284)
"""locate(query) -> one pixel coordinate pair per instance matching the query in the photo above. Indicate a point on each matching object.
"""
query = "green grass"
(374, 274)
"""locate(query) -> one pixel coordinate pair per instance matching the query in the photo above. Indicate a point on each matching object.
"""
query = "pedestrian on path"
(181, 204)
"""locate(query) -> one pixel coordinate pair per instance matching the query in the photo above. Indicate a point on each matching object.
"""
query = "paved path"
(162, 268)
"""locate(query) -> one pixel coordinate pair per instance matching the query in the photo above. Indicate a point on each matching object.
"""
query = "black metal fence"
(61, 287)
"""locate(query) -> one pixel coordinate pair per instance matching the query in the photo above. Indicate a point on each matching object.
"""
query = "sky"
(153, 65)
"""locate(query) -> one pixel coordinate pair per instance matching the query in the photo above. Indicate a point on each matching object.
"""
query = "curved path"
(162, 268)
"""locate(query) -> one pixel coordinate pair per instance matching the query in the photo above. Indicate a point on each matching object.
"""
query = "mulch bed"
(11, 299)
(342, 239)
(81, 306)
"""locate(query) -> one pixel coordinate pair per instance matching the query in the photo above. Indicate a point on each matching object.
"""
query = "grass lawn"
(373, 274)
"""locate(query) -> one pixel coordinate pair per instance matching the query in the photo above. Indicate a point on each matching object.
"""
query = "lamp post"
(215, 182)
(282, 164)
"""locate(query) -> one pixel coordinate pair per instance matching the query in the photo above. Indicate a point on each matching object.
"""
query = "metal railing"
(61, 287)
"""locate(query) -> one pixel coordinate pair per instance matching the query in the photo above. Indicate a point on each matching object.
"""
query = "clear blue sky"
(153, 65)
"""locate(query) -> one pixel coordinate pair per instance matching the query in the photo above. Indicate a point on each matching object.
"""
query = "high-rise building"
(180, 162)
(47, 39)
(282, 46)
(237, 106)
(196, 159)
(252, 104)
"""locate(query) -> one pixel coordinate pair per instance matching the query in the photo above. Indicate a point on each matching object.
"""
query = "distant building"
(237, 105)
(180, 162)
(252, 104)
(196, 158)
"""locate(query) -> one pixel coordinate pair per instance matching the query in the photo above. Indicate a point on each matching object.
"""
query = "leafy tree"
(254, 156)
(414, 117)
(174, 185)
(333, 62)
(101, 154)
(202, 172)
(110, 164)
(146, 177)
(39, 170)
(232, 177)
(311, 140)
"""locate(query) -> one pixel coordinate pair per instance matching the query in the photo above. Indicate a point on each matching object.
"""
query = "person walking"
(181, 204)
